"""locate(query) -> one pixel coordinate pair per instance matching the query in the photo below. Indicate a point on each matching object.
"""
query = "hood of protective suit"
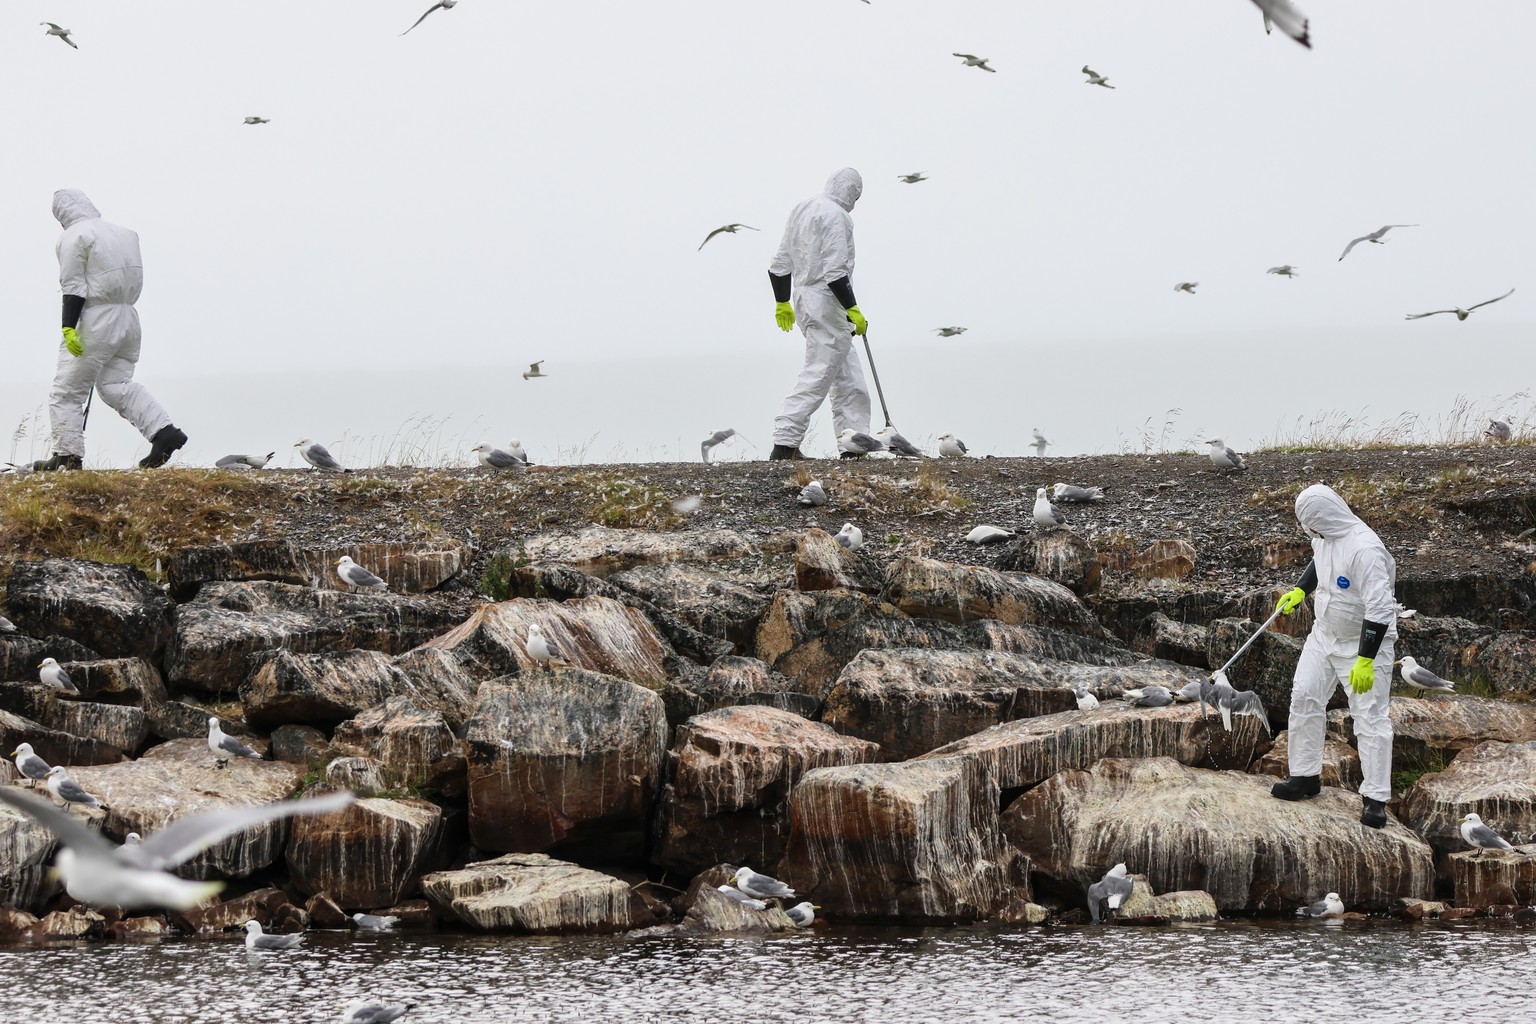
(70, 206)
(843, 188)
(1321, 511)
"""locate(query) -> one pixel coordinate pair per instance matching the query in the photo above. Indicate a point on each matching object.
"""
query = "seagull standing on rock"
(1046, 515)
(32, 768)
(67, 791)
(539, 648)
(1086, 701)
(355, 575)
(1421, 678)
(951, 447)
(850, 537)
(1473, 831)
(1223, 457)
(764, 887)
(495, 458)
(225, 747)
(54, 677)
(1498, 430)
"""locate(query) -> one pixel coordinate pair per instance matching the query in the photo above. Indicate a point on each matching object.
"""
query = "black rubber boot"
(782, 452)
(1297, 787)
(59, 461)
(1373, 814)
(162, 446)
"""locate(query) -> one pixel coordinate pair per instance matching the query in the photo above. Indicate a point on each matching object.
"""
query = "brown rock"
(1504, 660)
(929, 850)
(298, 744)
(1181, 642)
(418, 748)
(1169, 559)
(794, 618)
(412, 914)
(78, 922)
(54, 746)
(364, 776)
(25, 849)
(115, 608)
(16, 925)
(1061, 556)
(324, 913)
(119, 681)
(1458, 913)
(1145, 907)
(1496, 781)
(1412, 909)
(730, 774)
(367, 855)
(602, 551)
(531, 892)
(1024, 912)
(409, 568)
(1220, 832)
(707, 911)
(821, 563)
(713, 605)
(325, 689)
(1427, 729)
(1341, 765)
(1494, 877)
(561, 758)
(956, 593)
(261, 905)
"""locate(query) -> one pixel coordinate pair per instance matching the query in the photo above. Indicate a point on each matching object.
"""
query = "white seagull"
(1290, 19)
(911, 179)
(1072, 494)
(534, 371)
(495, 458)
(62, 33)
(1284, 270)
(1114, 888)
(258, 120)
(731, 892)
(764, 887)
(355, 575)
(1186, 286)
(32, 768)
(1473, 831)
(856, 442)
(225, 747)
(441, 4)
(1040, 443)
(515, 449)
(803, 913)
(973, 61)
(1223, 457)
(1094, 78)
(255, 938)
(316, 455)
(949, 332)
(375, 922)
(66, 790)
(1328, 906)
(951, 447)
(1086, 701)
(1461, 314)
(893, 441)
(1498, 430)
(1045, 515)
(719, 437)
(985, 534)
(1421, 678)
(1374, 236)
(729, 229)
(850, 537)
(539, 648)
(1148, 697)
(244, 461)
(813, 494)
(54, 677)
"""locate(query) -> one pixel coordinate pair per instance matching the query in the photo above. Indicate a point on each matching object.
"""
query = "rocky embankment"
(892, 731)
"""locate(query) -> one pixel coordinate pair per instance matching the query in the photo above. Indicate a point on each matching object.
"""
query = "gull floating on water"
(62, 33)
(539, 648)
(893, 441)
(1461, 314)
(988, 535)
(1290, 19)
(1094, 78)
(1186, 286)
(258, 120)
(717, 438)
(729, 229)
(813, 494)
(244, 461)
(495, 458)
(1072, 494)
(255, 938)
(66, 790)
(1498, 430)
(1149, 697)
(440, 5)
(317, 455)
(32, 768)
(1421, 678)
(375, 922)
(54, 677)
(355, 575)
(1284, 270)
(1223, 457)
(1328, 906)
(1113, 888)
(1086, 701)
(731, 892)
(1374, 236)
(225, 746)
(949, 332)
(852, 538)
(856, 442)
(911, 179)
(764, 887)
(803, 913)
(1481, 836)
(972, 61)
(367, 1011)
(1046, 515)
(534, 371)
(951, 447)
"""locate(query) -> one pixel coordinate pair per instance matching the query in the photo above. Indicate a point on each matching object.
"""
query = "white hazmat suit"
(1356, 577)
(99, 261)
(817, 250)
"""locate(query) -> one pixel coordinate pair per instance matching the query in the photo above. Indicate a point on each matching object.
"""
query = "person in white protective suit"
(1351, 577)
(815, 263)
(101, 274)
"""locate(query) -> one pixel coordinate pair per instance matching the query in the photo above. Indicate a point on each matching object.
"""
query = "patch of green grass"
(628, 504)
(1416, 768)
(496, 580)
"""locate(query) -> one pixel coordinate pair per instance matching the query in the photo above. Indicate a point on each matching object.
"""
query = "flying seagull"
(1040, 443)
(911, 179)
(948, 332)
(54, 677)
(539, 648)
(244, 461)
(893, 441)
(764, 887)
(852, 538)
(366, 1011)
(1114, 887)
(1473, 831)
(534, 371)
(1290, 19)
(1045, 515)
(1461, 314)
(1072, 494)
(1328, 906)
(813, 494)
(225, 747)
(717, 438)
(443, 4)
(1421, 678)
(495, 458)
(317, 456)
(731, 892)
(1094, 78)
(256, 939)
(973, 61)
(1186, 286)
(728, 229)
(94, 872)
(1223, 457)
(33, 768)
(355, 575)
(258, 120)
(1284, 270)
(951, 447)
(1374, 236)
(62, 33)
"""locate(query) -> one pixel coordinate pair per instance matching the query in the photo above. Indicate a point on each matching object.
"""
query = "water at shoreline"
(1274, 971)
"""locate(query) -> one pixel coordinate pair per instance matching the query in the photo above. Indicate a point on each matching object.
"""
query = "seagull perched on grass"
(854, 442)
(948, 332)
(440, 5)
(729, 229)
(95, 872)
(1374, 236)
(539, 648)
(1223, 457)
(495, 458)
(1045, 514)
(894, 442)
(62, 33)
(1094, 78)
(719, 437)
(66, 790)
(225, 747)
(32, 768)
(1461, 314)
(985, 534)
(1186, 286)
(258, 120)
(1421, 678)
(733, 893)
(1284, 270)
(1473, 831)
(54, 677)
(813, 494)
(850, 537)
(951, 447)
(764, 887)
(911, 179)
(355, 575)
(1498, 430)
(972, 61)
(1328, 906)
(1072, 494)
(534, 371)
(1290, 19)
(1113, 888)
(317, 455)
(245, 461)
(255, 938)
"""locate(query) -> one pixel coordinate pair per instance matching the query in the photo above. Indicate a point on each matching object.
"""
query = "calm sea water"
(1275, 972)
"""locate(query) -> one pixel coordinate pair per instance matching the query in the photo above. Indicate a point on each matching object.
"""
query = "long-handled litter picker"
(1220, 675)
(1248, 643)
(876, 374)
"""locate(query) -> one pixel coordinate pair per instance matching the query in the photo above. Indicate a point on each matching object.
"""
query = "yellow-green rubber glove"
(784, 313)
(860, 325)
(1363, 676)
(72, 342)
(1291, 600)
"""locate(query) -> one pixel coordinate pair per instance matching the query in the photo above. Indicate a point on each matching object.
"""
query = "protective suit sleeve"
(837, 247)
(842, 290)
(782, 265)
(1308, 581)
(74, 305)
(74, 250)
(1376, 583)
(781, 283)
(1371, 636)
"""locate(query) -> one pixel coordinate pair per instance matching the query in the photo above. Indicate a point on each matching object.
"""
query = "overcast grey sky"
(512, 181)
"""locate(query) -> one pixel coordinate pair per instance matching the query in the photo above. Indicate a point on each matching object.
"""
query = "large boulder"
(20, 655)
(115, 609)
(25, 846)
(1188, 828)
(1023, 753)
(1183, 642)
(369, 855)
(531, 892)
(179, 778)
(730, 774)
(118, 726)
(912, 701)
(119, 681)
(1430, 730)
(1341, 764)
(797, 617)
(1504, 660)
(324, 689)
(926, 588)
(1496, 781)
(411, 567)
(53, 745)
(1494, 878)
(708, 911)
(225, 633)
(416, 745)
(730, 681)
(602, 551)
(821, 563)
(1062, 556)
(597, 634)
(558, 759)
(912, 843)
(713, 605)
